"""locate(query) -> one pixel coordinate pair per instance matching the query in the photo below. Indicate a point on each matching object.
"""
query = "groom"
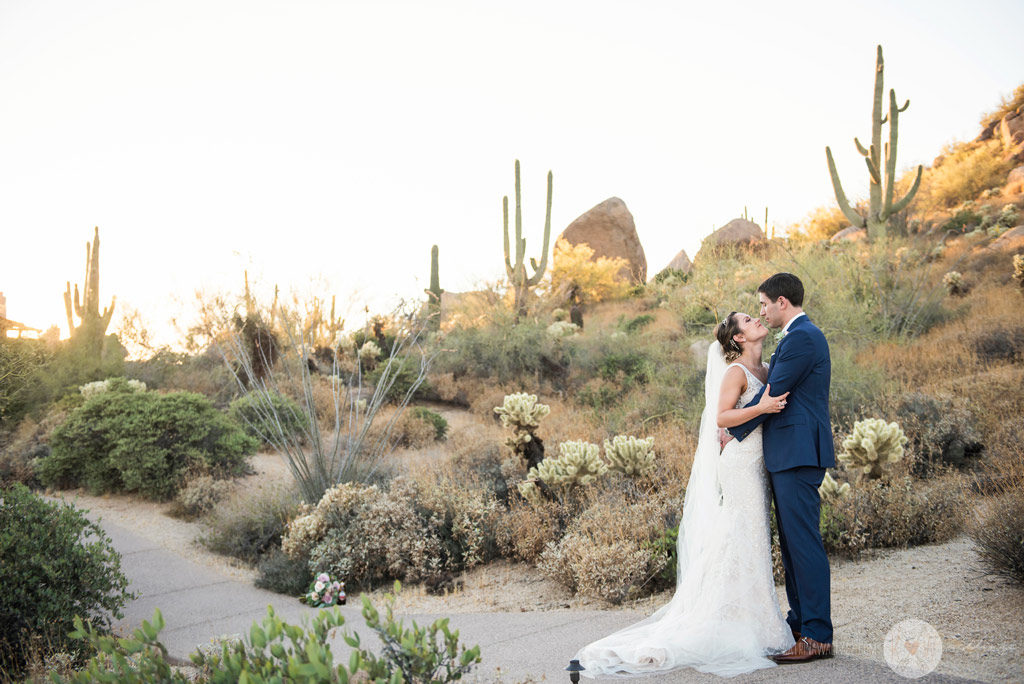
(797, 449)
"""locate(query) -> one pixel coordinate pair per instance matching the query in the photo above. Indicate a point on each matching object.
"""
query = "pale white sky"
(334, 142)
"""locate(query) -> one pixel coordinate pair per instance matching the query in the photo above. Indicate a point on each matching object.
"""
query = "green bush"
(961, 219)
(436, 420)
(277, 652)
(56, 565)
(999, 534)
(401, 376)
(144, 443)
(258, 419)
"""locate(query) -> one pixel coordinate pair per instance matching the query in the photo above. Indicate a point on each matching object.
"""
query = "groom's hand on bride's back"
(724, 437)
(770, 404)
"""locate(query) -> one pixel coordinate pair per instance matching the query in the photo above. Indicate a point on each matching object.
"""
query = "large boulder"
(609, 230)
(1011, 130)
(1015, 182)
(680, 262)
(849, 234)
(1010, 241)
(738, 233)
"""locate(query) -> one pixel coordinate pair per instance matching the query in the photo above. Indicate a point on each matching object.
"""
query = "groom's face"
(771, 311)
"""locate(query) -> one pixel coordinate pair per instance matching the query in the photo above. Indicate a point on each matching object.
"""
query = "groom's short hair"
(783, 285)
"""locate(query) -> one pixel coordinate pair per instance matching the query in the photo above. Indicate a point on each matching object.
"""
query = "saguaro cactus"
(882, 187)
(434, 292)
(93, 324)
(517, 270)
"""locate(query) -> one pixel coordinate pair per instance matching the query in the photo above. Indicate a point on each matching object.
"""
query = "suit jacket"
(801, 434)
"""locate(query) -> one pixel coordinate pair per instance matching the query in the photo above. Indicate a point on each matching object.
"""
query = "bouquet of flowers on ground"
(324, 592)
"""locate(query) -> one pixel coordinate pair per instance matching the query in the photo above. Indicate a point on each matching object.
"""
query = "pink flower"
(323, 577)
(328, 599)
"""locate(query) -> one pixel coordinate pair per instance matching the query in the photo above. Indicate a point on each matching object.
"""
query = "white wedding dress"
(724, 617)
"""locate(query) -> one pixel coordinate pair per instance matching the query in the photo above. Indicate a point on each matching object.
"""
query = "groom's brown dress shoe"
(805, 650)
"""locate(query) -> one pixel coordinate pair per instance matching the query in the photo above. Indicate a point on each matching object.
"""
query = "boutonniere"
(779, 335)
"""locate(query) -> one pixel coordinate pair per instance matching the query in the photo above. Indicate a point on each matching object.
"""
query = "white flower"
(319, 586)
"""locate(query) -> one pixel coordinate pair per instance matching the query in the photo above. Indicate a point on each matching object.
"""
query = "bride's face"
(751, 329)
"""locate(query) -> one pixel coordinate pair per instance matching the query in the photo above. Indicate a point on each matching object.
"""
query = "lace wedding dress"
(724, 617)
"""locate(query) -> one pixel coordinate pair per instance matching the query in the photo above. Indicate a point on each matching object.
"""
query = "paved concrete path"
(200, 604)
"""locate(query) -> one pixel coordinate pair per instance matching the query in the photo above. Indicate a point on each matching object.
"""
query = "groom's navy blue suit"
(797, 448)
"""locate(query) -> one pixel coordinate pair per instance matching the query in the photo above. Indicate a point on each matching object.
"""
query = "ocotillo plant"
(93, 325)
(881, 189)
(517, 270)
(434, 292)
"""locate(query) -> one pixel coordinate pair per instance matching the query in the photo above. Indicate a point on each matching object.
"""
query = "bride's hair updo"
(725, 332)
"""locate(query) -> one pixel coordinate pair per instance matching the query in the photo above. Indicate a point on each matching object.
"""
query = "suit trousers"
(798, 512)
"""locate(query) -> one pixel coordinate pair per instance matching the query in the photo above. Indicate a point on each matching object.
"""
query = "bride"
(724, 617)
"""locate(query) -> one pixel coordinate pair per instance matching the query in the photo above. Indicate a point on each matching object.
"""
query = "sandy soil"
(978, 617)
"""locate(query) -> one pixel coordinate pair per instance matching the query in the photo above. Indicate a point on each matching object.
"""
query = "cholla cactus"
(522, 414)
(369, 351)
(578, 463)
(830, 490)
(1018, 269)
(872, 446)
(954, 282)
(629, 455)
(531, 492)
(562, 329)
(560, 314)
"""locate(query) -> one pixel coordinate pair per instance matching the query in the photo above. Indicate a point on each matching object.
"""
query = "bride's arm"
(733, 385)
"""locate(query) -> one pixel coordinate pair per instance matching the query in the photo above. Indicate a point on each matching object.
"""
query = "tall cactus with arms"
(882, 188)
(93, 325)
(517, 270)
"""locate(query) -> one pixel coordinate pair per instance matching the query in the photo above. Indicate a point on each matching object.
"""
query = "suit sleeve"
(794, 363)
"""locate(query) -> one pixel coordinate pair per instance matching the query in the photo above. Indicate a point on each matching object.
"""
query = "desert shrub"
(276, 651)
(30, 442)
(435, 420)
(402, 376)
(251, 524)
(999, 344)
(203, 373)
(199, 496)
(282, 574)
(671, 277)
(594, 280)
(636, 324)
(144, 443)
(605, 552)
(505, 353)
(124, 385)
(19, 359)
(258, 420)
(626, 368)
(940, 432)
(898, 513)
(527, 529)
(822, 223)
(376, 538)
(961, 173)
(998, 533)
(368, 535)
(57, 565)
(962, 219)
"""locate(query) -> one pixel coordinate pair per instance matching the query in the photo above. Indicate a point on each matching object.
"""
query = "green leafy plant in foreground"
(277, 651)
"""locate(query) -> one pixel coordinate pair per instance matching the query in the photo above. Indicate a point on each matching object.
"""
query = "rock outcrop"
(739, 233)
(680, 262)
(610, 231)
(849, 234)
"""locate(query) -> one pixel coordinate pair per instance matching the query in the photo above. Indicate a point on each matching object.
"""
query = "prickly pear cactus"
(872, 447)
(629, 455)
(578, 463)
(830, 490)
